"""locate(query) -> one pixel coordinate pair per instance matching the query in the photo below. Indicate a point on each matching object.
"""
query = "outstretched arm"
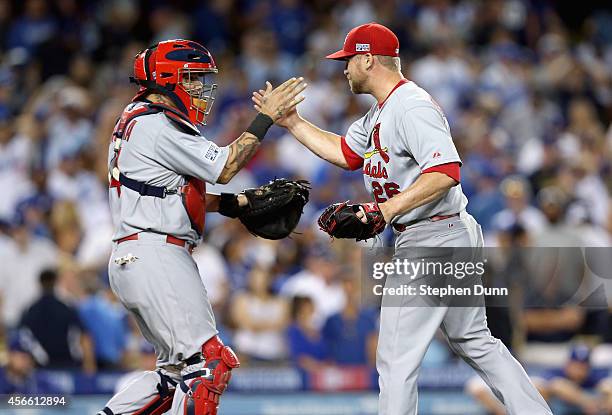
(240, 152)
(324, 144)
(212, 201)
(278, 102)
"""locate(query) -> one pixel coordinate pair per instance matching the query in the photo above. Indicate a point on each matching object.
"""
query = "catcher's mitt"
(340, 220)
(275, 209)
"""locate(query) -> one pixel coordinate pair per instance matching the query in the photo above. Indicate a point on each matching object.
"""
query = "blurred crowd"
(526, 86)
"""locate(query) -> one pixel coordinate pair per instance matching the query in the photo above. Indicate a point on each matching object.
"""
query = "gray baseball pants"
(406, 332)
(161, 286)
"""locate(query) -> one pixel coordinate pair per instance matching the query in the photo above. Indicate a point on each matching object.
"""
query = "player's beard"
(357, 83)
(356, 86)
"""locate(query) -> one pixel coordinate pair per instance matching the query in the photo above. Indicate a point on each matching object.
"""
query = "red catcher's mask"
(182, 70)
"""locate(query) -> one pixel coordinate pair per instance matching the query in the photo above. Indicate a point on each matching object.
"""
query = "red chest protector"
(193, 193)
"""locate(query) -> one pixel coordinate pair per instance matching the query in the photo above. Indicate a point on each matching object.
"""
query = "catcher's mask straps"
(260, 126)
(147, 56)
(168, 91)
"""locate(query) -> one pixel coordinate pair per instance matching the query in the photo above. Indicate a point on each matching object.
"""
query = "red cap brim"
(340, 55)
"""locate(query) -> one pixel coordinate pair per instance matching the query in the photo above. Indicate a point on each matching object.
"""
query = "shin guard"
(204, 386)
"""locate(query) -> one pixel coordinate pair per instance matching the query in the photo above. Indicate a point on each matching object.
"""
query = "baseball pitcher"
(159, 165)
(410, 165)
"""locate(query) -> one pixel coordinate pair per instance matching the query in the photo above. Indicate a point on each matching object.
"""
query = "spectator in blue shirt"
(577, 382)
(351, 334)
(105, 319)
(16, 375)
(35, 27)
(34, 210)
(306, 346)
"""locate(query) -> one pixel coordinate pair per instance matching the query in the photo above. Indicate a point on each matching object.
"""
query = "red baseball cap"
(371, 38)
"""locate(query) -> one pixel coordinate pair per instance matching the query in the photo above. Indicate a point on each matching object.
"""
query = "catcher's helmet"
(178, 69)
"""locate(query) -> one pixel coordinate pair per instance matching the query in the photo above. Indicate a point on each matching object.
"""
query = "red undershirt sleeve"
(452, 170)
(353, 160)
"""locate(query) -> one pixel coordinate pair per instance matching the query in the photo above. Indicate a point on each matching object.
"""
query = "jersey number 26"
(390, 189)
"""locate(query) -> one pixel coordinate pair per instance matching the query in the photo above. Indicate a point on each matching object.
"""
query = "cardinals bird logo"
(377, 148)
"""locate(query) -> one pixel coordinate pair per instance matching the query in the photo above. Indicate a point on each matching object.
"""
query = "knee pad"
(220, 360)
(204, 386)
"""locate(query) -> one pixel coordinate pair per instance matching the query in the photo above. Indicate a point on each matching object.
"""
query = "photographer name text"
(426, 290)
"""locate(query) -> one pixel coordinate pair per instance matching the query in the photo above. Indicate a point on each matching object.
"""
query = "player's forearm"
(213, 200)
(241, 151)
(569, 392)
(549, 321)
(272, 105)
(89, 358)
(427, 188)
(488, 400)
(324, 144)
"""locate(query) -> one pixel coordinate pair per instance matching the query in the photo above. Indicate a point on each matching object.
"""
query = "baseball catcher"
(159, 164)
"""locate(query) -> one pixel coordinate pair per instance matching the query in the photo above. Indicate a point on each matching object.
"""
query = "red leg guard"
(205, 390)
(220, 359)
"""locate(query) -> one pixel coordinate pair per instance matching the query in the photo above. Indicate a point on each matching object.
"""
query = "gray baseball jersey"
(156, 152)
(397, 140)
